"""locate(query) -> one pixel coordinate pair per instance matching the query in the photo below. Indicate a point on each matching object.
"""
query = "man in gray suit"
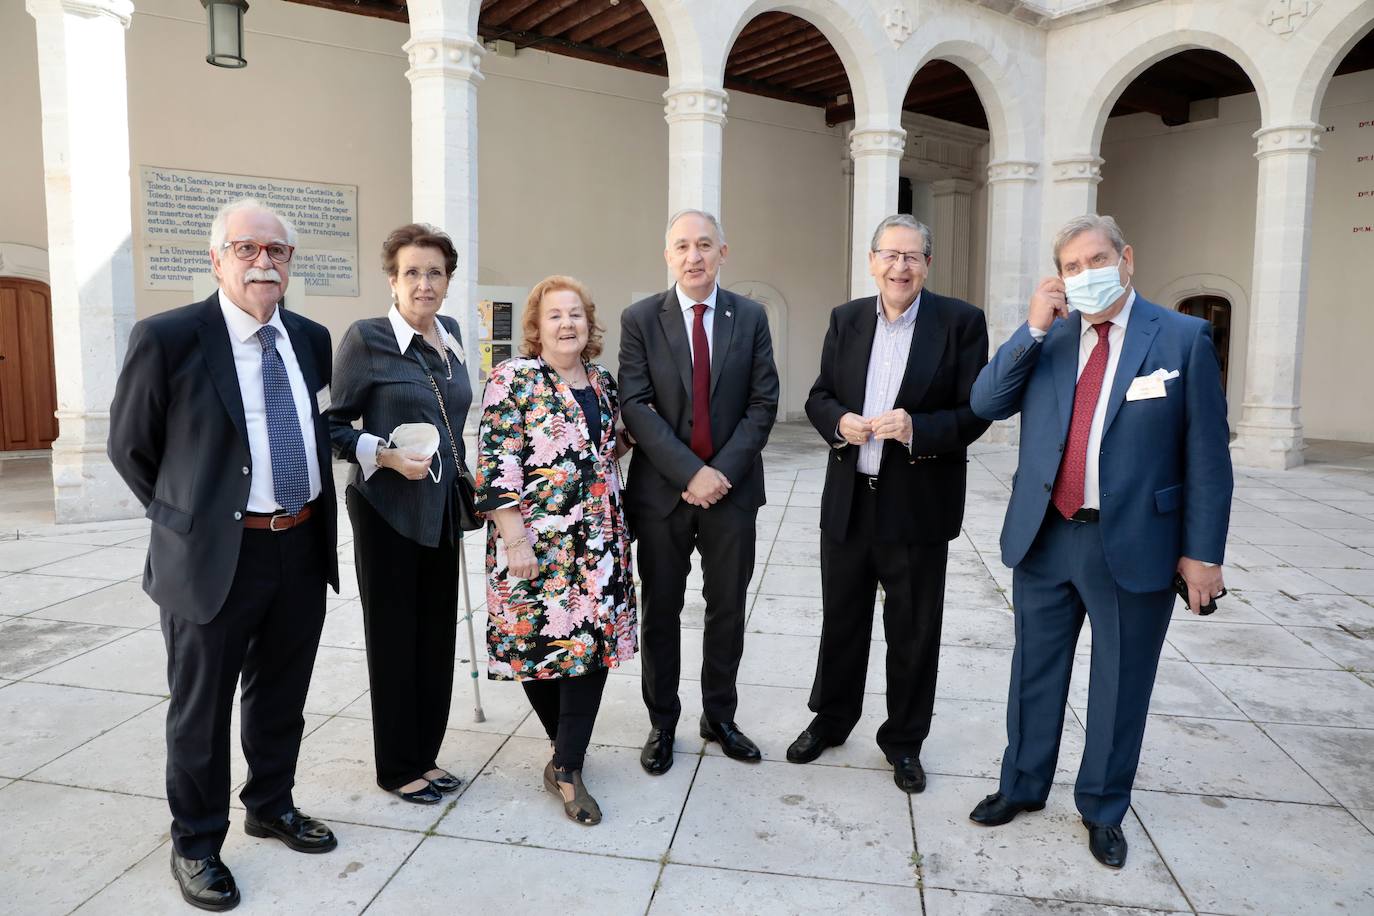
(700, 393)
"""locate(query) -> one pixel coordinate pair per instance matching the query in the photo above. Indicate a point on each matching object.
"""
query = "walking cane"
(477, 714)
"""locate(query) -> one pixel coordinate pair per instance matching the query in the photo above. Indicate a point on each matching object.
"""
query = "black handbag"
(469, 519)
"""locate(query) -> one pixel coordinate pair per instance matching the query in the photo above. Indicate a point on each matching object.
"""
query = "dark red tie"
(701, 385)
(1068, 486)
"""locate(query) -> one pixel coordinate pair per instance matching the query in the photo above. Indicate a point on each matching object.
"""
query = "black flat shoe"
(997, 809)
(657, 756)
(733, 742)
(581, 808)
(908, 775)
(428, 794)
(447, 783)
(1107, 843)
(205, 883)
(807, 747)
(301, 833)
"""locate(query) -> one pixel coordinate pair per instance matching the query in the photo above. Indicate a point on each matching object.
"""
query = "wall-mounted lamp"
(224, 23)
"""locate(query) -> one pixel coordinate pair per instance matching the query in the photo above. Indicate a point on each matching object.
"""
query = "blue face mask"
(1095, 290)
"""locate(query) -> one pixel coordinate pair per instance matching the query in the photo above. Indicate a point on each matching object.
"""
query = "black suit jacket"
(179, 439)
(921, 492)
(656, 398)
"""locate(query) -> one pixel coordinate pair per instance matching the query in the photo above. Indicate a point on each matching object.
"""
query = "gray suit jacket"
(386, 387)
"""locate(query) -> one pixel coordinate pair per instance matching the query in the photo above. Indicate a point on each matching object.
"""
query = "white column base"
(1003, 432)
(86, 487)
(1269, 438)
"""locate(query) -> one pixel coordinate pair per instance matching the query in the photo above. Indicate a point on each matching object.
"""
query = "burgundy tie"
(1068, 486)
(701, 385)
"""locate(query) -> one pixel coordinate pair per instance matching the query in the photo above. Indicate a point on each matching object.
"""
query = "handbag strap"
(443, 412)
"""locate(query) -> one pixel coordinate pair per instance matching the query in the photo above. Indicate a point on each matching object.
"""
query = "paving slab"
(60, 845)
(969, 673)
(1043, 854)
(1179, 690)
(121, 604)
(1236, 855)
(447, 875)
(112, 563)
(135, 663)
(23, 593)
(28, 646)
(970, 903)
(623, 722)
(271, 878)
(1341, 759)
(1302, 698)
(339, 679)
(967, 738)
(26, 553)
(508, 802)
(1351, 649)
(343, 626)
(688, 890)
(1245, 644)
(1312, 610)
(751, 816)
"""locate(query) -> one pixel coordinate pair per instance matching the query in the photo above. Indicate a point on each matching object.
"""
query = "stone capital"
(947, 186)
(444, 55)
(695, 103)
(1078, 168)
(1302, 137)
(1013, 170)
(877, 141)
(122, 11)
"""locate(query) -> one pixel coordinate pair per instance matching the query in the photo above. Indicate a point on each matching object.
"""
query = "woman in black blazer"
(406, 368)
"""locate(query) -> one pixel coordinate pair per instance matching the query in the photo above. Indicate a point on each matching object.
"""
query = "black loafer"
(447, 783)
(205, 883)
(428, 794)
(301, 833)
(807, 747)
(997, 809)
(733, 742)
(908, 775)
(657, 756)
(1107, 843)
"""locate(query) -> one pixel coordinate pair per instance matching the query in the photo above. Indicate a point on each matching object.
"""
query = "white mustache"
(260, 275)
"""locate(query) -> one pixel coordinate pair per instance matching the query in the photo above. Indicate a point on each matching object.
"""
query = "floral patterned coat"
(534, 451)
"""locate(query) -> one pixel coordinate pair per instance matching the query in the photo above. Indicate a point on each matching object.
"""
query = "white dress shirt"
(886, 367)
(247, 350)
(708, 318)
(1087, 340)
(369, 444)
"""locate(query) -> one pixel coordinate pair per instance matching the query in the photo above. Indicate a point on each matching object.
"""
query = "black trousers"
(566, 707)
(913, 577)
(267, 633)
(409, 595)
(724, 535)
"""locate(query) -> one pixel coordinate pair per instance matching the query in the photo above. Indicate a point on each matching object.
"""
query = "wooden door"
(1217, 311)
(28, 380)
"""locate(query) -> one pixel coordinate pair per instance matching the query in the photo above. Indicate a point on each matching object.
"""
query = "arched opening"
(1216, 310)
(943, 175)
(1335, 365)
(1179, 175)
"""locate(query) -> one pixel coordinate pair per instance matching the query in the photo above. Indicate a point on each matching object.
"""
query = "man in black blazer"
(216, 426)
(700, 393)
(892, 399)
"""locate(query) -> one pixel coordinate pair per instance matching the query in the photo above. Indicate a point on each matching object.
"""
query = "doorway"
(28, 379)
(1216, 311)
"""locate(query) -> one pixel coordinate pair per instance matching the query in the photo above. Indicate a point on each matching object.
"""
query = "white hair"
(1089, 222)
(672, 221)
(218, 228)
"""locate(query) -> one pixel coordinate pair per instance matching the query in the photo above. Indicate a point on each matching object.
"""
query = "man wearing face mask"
(1124, 480)
(216, 425)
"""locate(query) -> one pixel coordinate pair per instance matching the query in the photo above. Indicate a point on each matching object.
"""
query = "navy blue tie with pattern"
(290, 480)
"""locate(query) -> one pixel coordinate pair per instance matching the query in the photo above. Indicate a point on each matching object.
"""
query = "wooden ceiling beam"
(769, 91)
(836, 113)
(592, 53)
(375, 11)
(1171, 107)
(761, 55)
(789, 62)
(500, 13)
(643, 39)
(819, 75)
(573, 16)
(627, 29)
(594, 27)
(533, 18)
(753, 38)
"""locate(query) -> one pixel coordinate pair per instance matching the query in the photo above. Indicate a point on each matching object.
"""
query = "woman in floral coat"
(560, 593)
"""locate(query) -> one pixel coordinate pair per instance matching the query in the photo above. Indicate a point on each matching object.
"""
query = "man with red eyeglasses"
(217, 426)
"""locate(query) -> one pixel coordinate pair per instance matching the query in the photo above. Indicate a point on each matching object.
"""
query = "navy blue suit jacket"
(1164, 470)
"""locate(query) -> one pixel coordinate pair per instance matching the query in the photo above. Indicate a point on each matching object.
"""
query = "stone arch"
(1328, 52)
(987, 72)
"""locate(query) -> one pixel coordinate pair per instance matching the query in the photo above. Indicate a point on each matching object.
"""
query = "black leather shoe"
(447, 783)
(997, 809)
(733, 742)
(428, 794)
(301, 833)
(1108, 843)
(807, 747)
(205, 883)
(657, 756)
(908, 775)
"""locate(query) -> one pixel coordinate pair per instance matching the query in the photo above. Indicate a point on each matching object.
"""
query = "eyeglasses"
(434, 276)
(909, 258)
(248, 251)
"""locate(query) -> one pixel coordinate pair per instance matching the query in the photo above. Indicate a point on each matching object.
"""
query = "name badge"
(322, 401)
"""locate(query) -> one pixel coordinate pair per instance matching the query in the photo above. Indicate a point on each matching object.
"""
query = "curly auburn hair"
(529, 322)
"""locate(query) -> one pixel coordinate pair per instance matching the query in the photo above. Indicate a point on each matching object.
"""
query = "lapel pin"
(727, 314)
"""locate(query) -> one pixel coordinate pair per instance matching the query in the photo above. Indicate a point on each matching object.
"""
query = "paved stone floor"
(1255, 792)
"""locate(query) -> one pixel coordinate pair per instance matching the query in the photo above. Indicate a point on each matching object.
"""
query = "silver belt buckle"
(272, 523)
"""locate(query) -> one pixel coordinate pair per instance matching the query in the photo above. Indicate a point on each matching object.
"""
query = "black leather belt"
(866, 481)
(1086, 515)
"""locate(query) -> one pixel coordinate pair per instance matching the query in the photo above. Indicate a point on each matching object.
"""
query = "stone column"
(1074, 190)
(696, 131)
(445, 68)
(877, 154)
(1015, 258)
(1269, 434)
(84, 92)
(953, 231)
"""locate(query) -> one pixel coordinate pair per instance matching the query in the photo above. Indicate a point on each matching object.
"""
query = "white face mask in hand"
(418, 441)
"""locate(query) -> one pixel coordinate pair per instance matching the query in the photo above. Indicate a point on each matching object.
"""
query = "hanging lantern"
(224, 21)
